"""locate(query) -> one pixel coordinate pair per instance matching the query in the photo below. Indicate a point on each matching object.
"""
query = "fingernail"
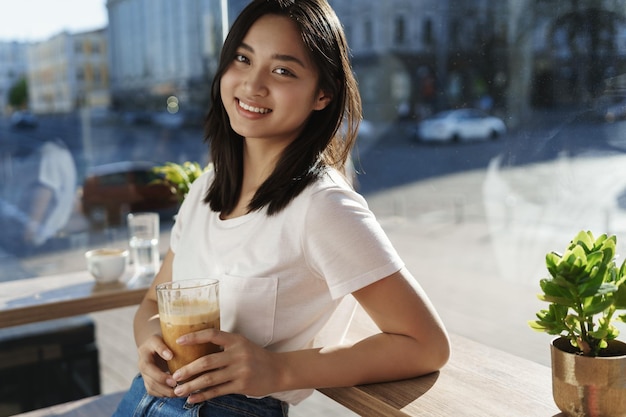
(171, 382)
(178, 390)
(176, 375)
(167, 355)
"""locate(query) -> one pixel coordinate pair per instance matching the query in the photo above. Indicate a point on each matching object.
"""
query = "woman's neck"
(259, 161)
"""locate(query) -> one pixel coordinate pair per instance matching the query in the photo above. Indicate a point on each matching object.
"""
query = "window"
(427, 32)
(399, 36)
(471, 209)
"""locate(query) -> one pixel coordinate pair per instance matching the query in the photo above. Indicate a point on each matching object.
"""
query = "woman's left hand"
(241, 368)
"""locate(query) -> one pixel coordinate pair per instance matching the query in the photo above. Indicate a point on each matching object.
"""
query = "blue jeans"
(138, 403)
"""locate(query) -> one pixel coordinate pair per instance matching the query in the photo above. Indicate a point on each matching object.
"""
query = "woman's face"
(271, 87)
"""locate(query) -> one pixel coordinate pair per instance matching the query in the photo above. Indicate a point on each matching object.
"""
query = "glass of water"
(144, 244)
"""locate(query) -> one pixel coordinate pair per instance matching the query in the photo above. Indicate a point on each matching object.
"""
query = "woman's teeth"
(253, 109)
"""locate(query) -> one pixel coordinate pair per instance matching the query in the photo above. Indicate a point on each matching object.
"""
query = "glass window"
(427, 32)
(399, 31)
(473, 204)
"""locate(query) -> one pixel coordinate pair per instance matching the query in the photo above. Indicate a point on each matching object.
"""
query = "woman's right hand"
(153, 357)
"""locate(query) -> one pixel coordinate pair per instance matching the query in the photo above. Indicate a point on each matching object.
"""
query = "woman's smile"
(253, 109)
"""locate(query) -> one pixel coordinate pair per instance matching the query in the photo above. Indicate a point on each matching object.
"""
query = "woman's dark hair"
(322, 143)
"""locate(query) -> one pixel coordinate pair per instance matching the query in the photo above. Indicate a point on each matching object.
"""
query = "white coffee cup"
(106, 265)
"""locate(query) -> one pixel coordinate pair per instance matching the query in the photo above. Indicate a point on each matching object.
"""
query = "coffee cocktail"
(184, 307)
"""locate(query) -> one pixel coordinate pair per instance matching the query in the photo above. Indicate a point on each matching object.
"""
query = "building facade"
(396, 48)
(68, 72)
(162, 48)
(411, 57)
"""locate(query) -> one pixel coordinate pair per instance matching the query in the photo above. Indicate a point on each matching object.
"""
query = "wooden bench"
(479, 381)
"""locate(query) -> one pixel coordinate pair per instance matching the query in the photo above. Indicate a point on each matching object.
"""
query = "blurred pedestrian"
(37, 194)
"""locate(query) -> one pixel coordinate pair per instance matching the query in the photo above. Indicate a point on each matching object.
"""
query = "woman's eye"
(283, 71)
(242, 58)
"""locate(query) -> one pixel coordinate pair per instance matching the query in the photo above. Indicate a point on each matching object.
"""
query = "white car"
(459, 125)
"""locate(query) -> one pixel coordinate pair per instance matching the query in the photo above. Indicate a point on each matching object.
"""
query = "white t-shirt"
(283, 276)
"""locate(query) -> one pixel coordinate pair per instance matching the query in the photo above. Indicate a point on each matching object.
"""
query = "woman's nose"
(255, 82)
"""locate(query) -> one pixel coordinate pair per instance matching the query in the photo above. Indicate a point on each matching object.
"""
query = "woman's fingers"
(153, 354)
(214, 336)
(241, 368)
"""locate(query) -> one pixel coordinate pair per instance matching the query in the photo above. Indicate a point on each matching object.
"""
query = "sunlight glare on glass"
(172, 104)
(38, 20)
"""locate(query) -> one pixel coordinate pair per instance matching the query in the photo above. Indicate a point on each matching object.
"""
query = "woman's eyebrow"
(280, 57)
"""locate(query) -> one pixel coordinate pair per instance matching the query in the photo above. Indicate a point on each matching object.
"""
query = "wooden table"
(478, 381)
(64, 295)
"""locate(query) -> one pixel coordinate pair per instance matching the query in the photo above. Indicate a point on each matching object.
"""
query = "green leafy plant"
(585, 290)
(180, 176)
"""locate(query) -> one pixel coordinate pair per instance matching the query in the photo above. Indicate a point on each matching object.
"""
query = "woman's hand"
(153, 354)
(241, 368)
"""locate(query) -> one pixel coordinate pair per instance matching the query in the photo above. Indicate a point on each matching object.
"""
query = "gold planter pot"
(589, 387)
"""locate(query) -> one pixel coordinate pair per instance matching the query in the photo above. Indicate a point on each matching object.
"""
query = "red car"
(111, 191)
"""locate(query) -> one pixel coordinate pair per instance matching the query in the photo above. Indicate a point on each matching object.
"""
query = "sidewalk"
(476, 241)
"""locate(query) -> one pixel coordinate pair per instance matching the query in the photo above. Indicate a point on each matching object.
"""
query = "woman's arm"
(412, 342)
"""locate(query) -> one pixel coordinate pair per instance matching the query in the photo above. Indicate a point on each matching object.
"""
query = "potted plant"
(586, 291)
(180, 176)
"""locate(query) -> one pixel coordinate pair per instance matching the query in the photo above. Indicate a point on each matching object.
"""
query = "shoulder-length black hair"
(322, 143)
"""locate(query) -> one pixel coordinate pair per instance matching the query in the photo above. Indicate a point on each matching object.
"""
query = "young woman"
(292, 243)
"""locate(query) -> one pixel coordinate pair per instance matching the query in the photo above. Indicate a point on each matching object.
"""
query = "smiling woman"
(292, 244)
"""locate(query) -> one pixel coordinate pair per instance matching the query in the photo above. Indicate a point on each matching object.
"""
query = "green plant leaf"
(550, 321)
(557, 300)
(584, 239)
(597, 305)
(552, 260)
(585, 289)
(181, 176)
(555, 293)
(599, 334)
(620, 296)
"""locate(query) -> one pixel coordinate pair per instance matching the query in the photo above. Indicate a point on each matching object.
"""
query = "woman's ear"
(322, 100)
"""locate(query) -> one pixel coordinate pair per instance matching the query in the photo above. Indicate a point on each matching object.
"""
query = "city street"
(400, 177)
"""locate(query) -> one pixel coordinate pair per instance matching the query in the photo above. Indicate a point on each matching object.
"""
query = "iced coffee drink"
(185, 307)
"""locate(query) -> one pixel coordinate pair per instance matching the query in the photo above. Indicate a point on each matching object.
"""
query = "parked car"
(112, 190)
(23, 119)
(458, 125)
